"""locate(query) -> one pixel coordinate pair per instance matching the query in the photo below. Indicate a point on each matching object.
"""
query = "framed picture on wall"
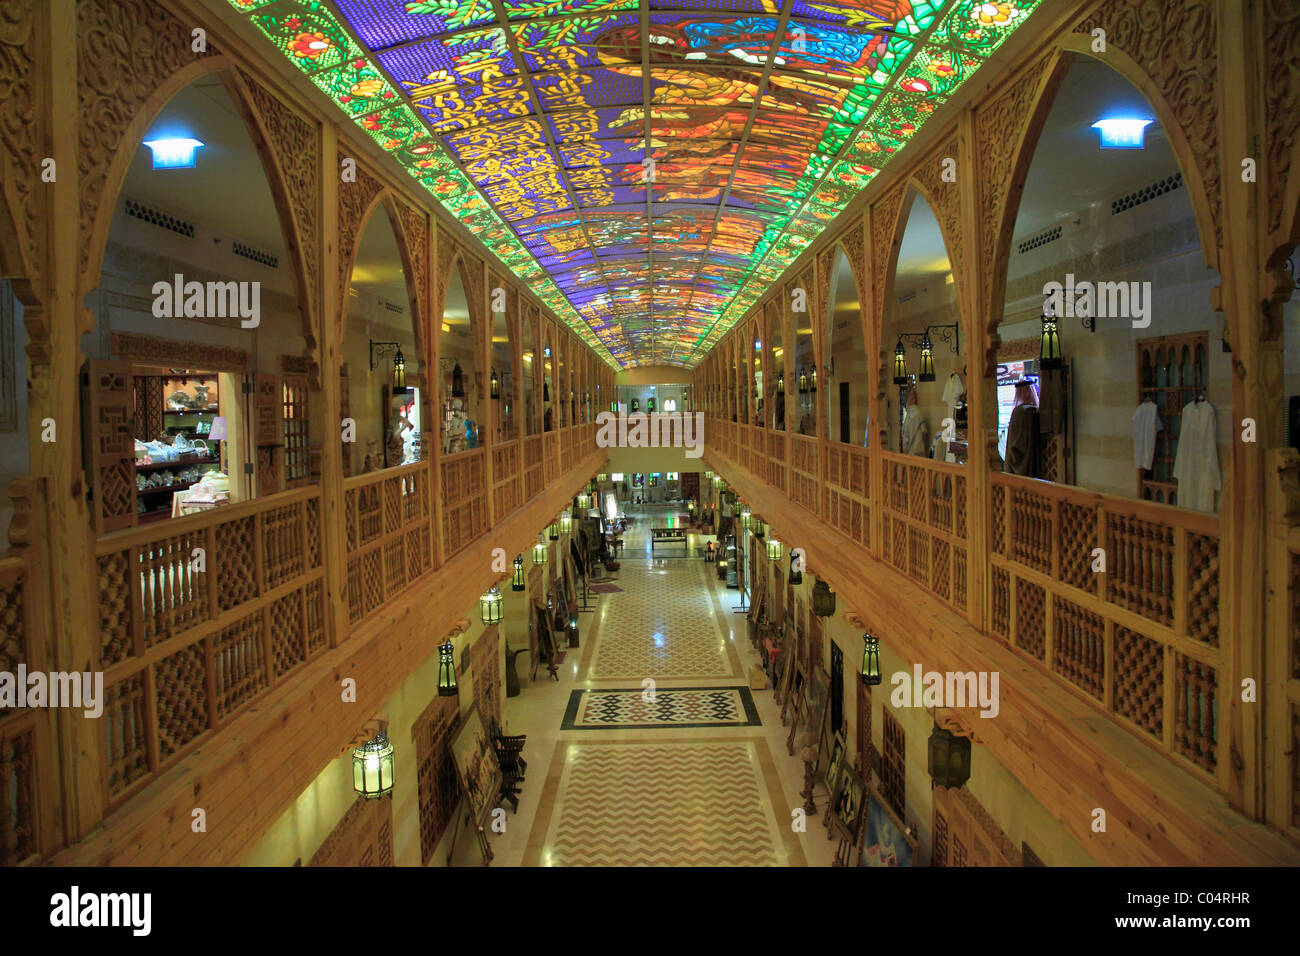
(885, 841)
(476, 766)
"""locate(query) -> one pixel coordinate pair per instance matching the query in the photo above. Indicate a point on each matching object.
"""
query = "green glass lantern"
(495, 385)
(566, 523)
(870, 671)
(1049, 350)
(489, 606)
(636, 404)
(927, 359)
(823, 599)
(949, 758)
(517, 582)
(812, 379)
(447, 670)
(773, 549)
(746, 518)
(900, 364)
(584, 501)
(540, 553)
(553, 532)
(760, 530)
(650, 405)
(372, 767)
(399, 374)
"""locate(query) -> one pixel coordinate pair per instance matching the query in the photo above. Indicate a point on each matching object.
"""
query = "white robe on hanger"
(1146, 422)
(1196, 466)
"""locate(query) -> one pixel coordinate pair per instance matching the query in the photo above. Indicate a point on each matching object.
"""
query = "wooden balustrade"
(387, 535)
(1139, 639)
(923, 523)
(848, 505)
(777, 458)
(551, 455)
(507, 478)
(198, 617)
(1119, 598)
(534, 471)
(805, 478)
(464, 499)
(26, 779)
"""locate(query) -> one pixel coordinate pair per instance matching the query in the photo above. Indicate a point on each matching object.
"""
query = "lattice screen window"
(297, 455)
(939, 851)
(435, 771)
(893, 764)
(1172, 370)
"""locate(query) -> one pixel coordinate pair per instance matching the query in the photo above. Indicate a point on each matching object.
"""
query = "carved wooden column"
(1257, 381)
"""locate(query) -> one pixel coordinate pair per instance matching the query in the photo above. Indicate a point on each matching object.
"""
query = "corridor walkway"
(700, 776)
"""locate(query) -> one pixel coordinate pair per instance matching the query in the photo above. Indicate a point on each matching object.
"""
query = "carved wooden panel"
(484, 658)
(435, 770)
(971, 837)
(295, 144)
(893, 763)
(944, 199)
(1177, 46)
(364, 837)
(109, 400)
(355, 199)
(22, 125)
(884, 222)
(126, 50)
(1281, 102)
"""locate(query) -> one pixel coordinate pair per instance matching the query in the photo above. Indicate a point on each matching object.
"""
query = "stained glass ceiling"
(649, 167)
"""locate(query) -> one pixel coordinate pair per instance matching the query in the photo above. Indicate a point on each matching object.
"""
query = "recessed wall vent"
(1042, 239)
(1146, 194)
(159, 218)
(256, 255)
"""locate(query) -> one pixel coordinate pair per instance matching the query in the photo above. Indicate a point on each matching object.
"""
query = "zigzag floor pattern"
(630, 804)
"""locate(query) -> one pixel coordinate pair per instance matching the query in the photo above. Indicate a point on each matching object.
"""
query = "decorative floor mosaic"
(629, 710)
(661, 626)
(677, 803)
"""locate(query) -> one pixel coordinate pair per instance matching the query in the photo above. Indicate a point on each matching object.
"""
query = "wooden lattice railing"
(848, 491)
(805, 477)
(534, 470)
(24, 733)
(1139, 638)
(197, 618)
(387, 535)
(507, 478)
(551, 455)
(923, 524)
(464, 499)
(777, 457)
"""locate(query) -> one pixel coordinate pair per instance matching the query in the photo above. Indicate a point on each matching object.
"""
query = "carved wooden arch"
(412, 269)
(104, 169)
(839, 249)
(1281, 34)
(278, 135)
(452, 256)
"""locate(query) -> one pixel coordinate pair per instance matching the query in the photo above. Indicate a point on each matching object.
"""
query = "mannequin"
(1022, 433)
(915, 437)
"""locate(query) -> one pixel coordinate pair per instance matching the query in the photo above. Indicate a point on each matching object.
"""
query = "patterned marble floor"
(626, 784)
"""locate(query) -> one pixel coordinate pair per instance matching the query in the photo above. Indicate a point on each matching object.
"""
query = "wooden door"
(108, 397)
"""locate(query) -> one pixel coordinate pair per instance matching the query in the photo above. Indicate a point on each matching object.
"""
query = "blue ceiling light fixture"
(174, 152)
(1120, 132)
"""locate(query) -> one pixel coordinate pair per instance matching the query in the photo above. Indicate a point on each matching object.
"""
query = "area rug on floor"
(679, 708)
(605, 589)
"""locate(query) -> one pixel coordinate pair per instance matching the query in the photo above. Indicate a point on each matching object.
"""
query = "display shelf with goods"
(182, 453)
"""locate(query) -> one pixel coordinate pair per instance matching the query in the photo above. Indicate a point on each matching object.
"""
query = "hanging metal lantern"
(1049, 349)
(584, 501)
(870, 670)
(812, 379)
(636, 404)
(949, 758)
(773, 549)
(900, 364)
(399, 374)
(372, 767)
(803, 380)
(494, 385)
(780, 385)
(541, 553)
(553, 531)
(823, 599)
(457, 382)
(517, 581)
(650, 405)
(490, 605)
(796, 569)
(566, 523)
(447, 670)
(746, 518)
(760, 531)
(927, 359)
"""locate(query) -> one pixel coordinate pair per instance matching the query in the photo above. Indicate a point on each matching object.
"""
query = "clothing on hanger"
(1146, 422)
(952, 394)
(914, 432)
(1196, 465)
